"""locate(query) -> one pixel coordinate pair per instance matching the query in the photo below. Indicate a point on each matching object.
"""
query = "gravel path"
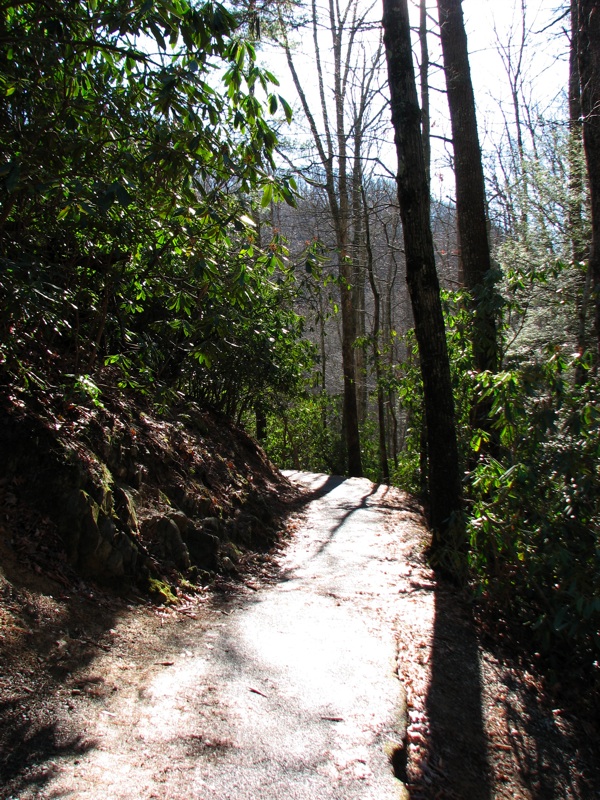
(288, 691)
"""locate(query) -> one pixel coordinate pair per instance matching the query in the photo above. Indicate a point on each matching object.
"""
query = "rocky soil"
(486, 722)
(118, 494)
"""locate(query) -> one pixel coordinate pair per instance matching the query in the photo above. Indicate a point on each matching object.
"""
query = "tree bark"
(589, 76)
(384, 469)
(576, 177)
(424, 80)
(470, 185)
(577, 192)
(445, 497)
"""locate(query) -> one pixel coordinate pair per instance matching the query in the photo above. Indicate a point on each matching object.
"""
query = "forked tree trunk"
(445, 498)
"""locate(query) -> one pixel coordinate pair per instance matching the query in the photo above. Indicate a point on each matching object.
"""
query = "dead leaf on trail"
(257, 691)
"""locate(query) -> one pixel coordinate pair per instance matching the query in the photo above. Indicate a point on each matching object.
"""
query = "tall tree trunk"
(445, 497)
(261, 422)
(424, 81)
(588, 36)
(576, 176)
(350, 408)
(470, 186)
(358, 285)
(577, 192)
(332, 151)
(425, 132)
(470, 203)
(384, 469)
(342, 225)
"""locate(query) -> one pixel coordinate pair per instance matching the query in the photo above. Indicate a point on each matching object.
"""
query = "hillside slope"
(114, 493)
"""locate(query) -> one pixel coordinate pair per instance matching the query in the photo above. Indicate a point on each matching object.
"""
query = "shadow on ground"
(456, 764)
(30, 752)
(37, 698)
(549, 753)
(56, 631)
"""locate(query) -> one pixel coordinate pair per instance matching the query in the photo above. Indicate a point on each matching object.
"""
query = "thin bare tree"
(337, 142)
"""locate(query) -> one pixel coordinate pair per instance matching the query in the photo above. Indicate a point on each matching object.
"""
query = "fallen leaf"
(257, 691)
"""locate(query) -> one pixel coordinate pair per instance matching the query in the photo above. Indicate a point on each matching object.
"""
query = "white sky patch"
(492, 26)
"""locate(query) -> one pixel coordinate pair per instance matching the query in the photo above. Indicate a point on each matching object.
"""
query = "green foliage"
(252, 354)
(127, 178)
(369, 449)
(87, 387)
(535, 521)
(408, 386)
(534, 511)
(307, 435)
(409, 389)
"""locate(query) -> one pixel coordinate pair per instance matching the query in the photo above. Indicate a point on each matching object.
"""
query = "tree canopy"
(134, 144)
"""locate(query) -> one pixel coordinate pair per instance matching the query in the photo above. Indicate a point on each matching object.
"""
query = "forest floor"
(95, 689)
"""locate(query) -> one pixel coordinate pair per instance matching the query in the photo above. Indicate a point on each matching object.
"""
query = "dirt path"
(284, 691)
(289, 687)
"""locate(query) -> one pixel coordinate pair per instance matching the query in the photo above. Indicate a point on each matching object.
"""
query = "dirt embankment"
(118, 494)
(105, 509)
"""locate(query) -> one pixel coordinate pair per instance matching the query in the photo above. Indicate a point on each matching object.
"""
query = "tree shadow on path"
(456, 763)
(527, 747)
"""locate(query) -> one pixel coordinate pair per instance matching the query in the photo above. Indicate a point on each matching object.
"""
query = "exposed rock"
(203, 548)
(194, 500)
(229, 551)
(97, 472)
(131, 556)
(125, 508)
(250, 531)
(228, 566)
(181, 520)
(94, 544)
(214, 526)
(167, 539)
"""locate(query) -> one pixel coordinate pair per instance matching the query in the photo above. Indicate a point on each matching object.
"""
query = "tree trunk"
(358, 286)
(445, 498)
(334, 160)
(576, 176)
(577, 193)
(424, 80)
(261, 422)
(384, 469)
(589, 76)
(470, 186)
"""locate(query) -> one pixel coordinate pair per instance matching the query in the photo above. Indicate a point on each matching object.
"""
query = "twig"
(104, 647)
(257, 691)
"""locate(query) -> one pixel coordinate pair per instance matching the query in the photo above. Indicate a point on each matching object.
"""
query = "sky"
(496, 25)
(491, 25)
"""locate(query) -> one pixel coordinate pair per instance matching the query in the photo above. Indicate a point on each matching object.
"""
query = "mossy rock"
(160, 591)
